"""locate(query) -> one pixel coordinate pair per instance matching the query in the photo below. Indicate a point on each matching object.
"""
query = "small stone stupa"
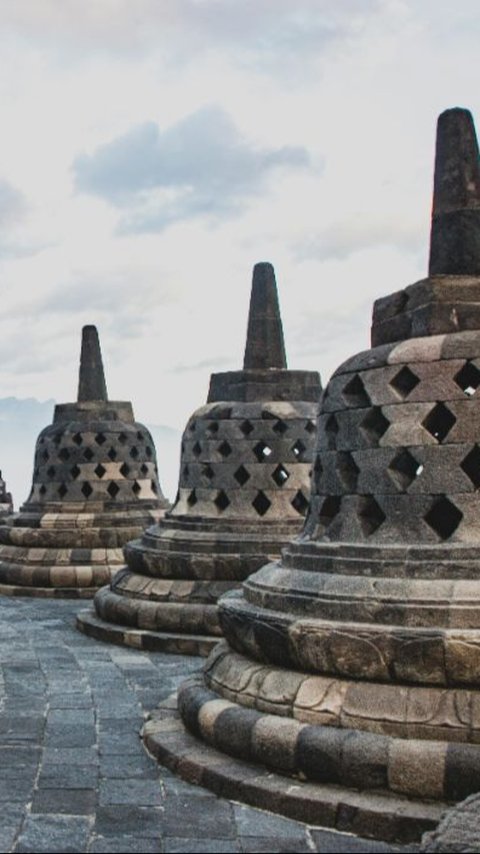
(95, 486)
(244, 489)
(6, 500)
(353, 664)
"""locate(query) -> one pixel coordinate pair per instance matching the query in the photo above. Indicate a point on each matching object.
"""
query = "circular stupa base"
(90, 624)
(376, 814)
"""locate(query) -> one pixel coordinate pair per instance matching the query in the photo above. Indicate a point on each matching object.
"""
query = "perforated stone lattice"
(247, 461)
(394, 430)
(82, 465)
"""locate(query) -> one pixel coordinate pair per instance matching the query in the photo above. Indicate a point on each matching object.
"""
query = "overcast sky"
(151, 151)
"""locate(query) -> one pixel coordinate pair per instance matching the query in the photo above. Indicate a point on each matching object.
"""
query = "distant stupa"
(352, 664)
(95, 486)
(243, 492)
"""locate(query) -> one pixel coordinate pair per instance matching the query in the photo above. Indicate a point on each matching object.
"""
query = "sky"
(152, 151)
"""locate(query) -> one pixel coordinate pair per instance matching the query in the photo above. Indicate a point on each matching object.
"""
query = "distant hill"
(20, 424)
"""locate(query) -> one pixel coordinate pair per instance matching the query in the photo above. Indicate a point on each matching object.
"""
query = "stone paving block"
(59, 776)
(53, 834)
(174, 845)
(69, 801)
(258, 823)
(115, 820)
(141, 793)
(265, 844)
(189, 817)
(127, 844)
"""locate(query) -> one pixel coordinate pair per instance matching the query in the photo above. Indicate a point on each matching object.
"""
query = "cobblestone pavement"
(74, 774)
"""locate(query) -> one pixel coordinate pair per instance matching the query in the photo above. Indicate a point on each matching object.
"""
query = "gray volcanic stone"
(357, 653)
(95, 486)
(243, 492)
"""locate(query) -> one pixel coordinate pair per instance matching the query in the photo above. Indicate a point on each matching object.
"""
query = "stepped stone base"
(375, 814)
(91, 625)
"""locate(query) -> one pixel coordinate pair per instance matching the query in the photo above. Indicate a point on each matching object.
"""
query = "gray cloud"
(201, 166)
(12, 204)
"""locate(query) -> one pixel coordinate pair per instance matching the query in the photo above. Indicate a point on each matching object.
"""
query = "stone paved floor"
(73, 773)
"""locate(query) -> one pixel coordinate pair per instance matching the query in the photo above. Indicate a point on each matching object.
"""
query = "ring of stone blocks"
(403, 711)
(406, 602)
(384, 653)
(186, 617)
(413, 767)
(169, 552)
(250, 460)
(75, 464)
(393, 421)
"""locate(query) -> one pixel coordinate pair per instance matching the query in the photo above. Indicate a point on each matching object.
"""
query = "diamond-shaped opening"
(208, 472)
(122, 438)
(64, 455)
(225, 449)
(77, 438)
(154, 486)
(443, 517)
(192, 426)
(148, 451)
(370, 514)
(100, 438)
(113, 489)
(46, 455)
(329, 509)
(43, 489)
(88, 454)
(317, 472)
(300, 503)
(280, 427)
(57, 439)
(404, 468)
(404, 382)
(36, 472)
(374, 425)
(471, 466)
(246, 427)
(331, 431)
(280, 475)
(140, 436)
(222, 501)
(347, 469)
(87, 489)
(439, 422)
(241, 475)
(62, 490)
(299, 449)
(354, 392)
(144, 468)
(197, 449)
(192, 498)
(136, 488)
(261, 503)
(212, 427)
(100, 470)
(262, 451)
(310, 427)
(134, 452)
(51, 471)
(468, 378)
(112, 454)
(75, 471)
(186, 471)
(124, 470)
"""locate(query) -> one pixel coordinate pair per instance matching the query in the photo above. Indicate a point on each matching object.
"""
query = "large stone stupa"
(352, 665)
(95, 486)
(243, 493)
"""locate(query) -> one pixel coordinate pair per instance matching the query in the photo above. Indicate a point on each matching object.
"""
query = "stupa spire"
(265, 346)
(455, 234)
(91, 382)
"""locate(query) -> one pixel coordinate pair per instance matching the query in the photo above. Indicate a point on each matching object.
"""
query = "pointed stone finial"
(91, 384)
(265, 347)
(455, 234)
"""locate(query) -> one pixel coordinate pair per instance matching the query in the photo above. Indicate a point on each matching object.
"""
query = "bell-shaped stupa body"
(243, 492)
(353, 663)
(6, 500)
(95, 486)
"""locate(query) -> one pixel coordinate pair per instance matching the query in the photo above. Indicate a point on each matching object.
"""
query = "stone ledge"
(48, 592)
(88, 623)
(376, 815)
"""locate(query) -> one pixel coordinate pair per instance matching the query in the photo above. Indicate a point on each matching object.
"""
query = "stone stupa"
(352, 665)
(95, 486)
(243, 492)
(6, 500)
